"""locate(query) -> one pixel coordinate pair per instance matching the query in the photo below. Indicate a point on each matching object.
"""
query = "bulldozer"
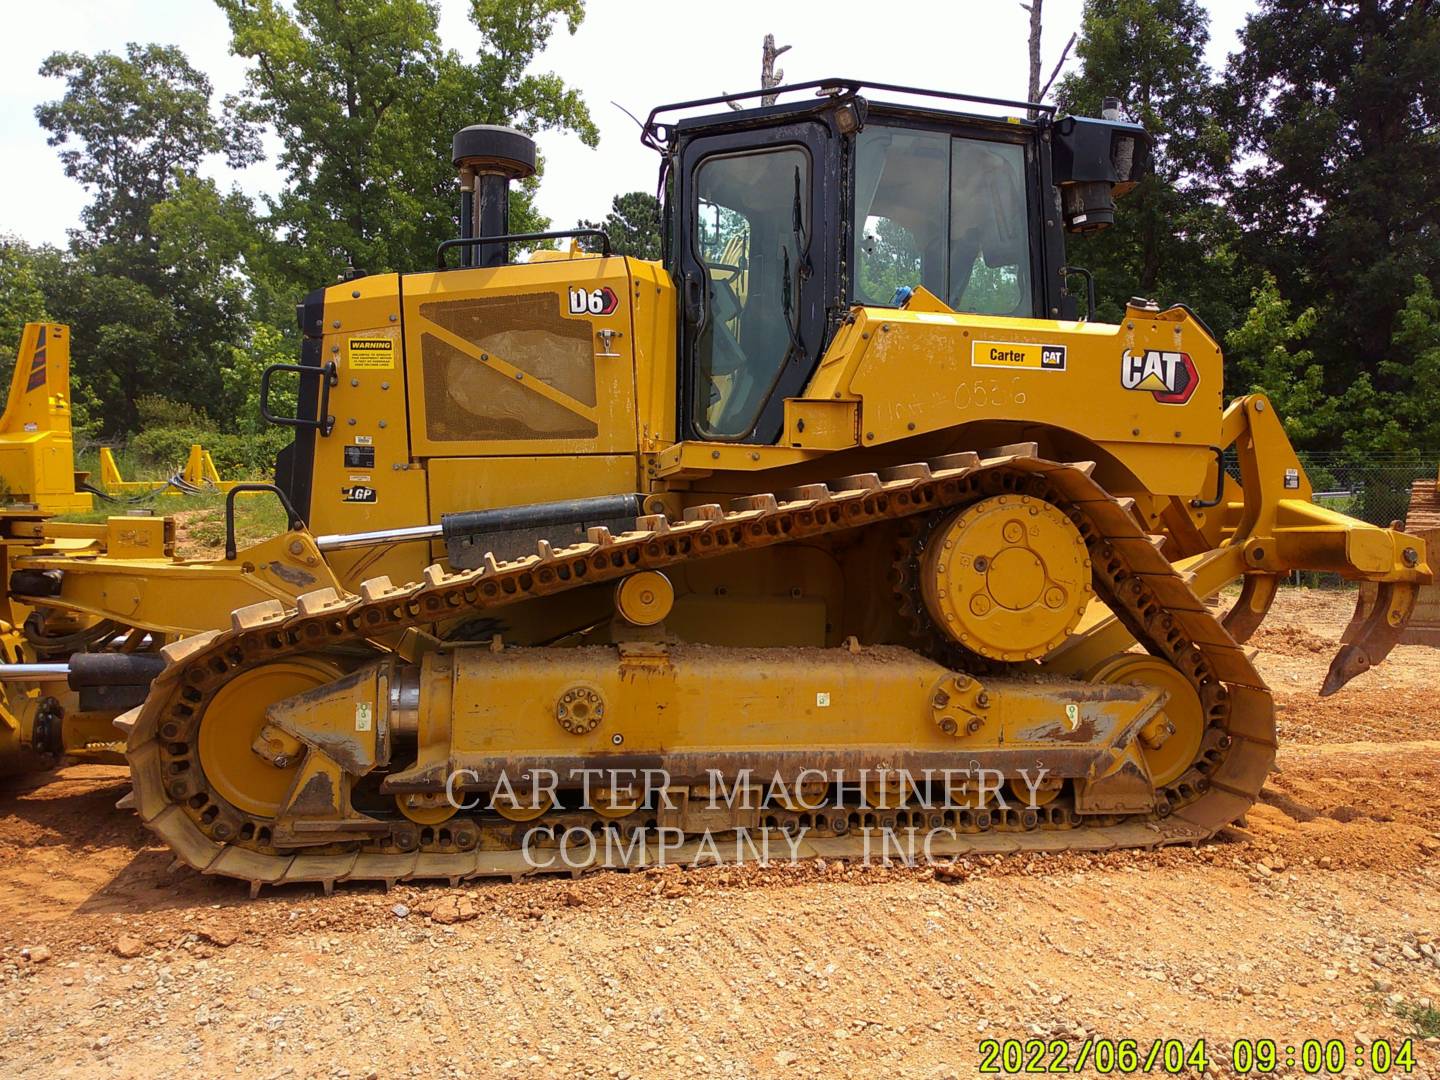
(845, 520)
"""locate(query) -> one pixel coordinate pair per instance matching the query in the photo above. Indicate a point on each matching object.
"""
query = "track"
(1130, 575)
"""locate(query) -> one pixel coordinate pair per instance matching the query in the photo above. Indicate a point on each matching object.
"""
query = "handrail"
(516, 238)
(648, 131)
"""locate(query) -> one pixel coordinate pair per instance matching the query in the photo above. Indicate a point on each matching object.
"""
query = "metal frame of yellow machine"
(198, 474)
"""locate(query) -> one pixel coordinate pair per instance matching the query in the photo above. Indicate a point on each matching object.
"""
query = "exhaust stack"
(489, 158)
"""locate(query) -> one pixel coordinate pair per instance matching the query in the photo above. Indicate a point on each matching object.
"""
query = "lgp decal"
(593, 301)
(1169, 376)
(358, 494)
(1017, 354)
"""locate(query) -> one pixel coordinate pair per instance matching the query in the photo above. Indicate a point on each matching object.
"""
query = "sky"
(636, 53)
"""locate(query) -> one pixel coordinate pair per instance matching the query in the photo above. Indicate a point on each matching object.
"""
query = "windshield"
(945, 212)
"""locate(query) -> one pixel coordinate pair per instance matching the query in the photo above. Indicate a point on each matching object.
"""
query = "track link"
(1130, 575)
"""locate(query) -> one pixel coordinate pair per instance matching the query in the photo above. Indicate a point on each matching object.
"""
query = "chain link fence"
(1375, 488)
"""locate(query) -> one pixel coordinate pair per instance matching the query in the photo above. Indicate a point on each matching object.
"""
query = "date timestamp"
(1247, 1057)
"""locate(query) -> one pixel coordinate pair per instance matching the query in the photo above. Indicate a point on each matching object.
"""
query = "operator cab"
(779, 219)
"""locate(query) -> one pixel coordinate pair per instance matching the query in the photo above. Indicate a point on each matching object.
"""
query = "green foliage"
(1172, 240)
(1413, 380)
(1264, 354)
(1399, 414)
(165, 447)
(21, 299)
(633, 225)
(155, 411)
(339, 83)
(514, 33)
(152, 289)
(235, 456)
(130, 127)
(365, 100)
(1333, 106)
(241, 379)
(1424, 1019)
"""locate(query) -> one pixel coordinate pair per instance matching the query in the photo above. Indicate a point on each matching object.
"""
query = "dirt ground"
(1319, 918)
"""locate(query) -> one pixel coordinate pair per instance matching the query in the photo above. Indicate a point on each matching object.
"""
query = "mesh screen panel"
(467, 400)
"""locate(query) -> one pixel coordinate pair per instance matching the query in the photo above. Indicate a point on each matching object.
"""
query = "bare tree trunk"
(769, 77)
(1063, 54)
(1034, 91)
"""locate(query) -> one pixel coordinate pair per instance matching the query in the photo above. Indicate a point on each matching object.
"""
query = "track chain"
(1130, 575)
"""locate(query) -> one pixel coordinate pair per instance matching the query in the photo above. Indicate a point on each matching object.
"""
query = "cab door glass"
(989, 229)
(902, 178)
(946, 212)
(752, 234)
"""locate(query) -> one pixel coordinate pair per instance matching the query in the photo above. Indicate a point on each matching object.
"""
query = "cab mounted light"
(849, 109)
(1096, 161)
(850, 115)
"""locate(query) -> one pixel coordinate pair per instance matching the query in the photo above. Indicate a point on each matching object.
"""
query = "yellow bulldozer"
(846, 520)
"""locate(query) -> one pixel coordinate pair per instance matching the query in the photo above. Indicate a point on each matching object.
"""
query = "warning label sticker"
(360, 457)
(372, 354)
(1017, 354)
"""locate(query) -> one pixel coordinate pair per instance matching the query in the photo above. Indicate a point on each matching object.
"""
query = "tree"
(338, 81)
(1335, 109)
(365, 101)
(153, 307)
(769, 77)
(1035, 11)
(1414, 405)
(130, 126)
(1172, 238)
(633, 225)
(21, 298)
(514, 33)
(1266, 354)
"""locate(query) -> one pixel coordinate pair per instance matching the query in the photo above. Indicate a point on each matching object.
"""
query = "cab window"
(752, 228)
(946, 212)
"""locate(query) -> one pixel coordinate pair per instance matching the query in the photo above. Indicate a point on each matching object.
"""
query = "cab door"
(753, 239)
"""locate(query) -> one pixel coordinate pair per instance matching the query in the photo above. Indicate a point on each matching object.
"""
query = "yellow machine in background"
(846, 489)
(37, 450)
(198, 475)
(1422, 520)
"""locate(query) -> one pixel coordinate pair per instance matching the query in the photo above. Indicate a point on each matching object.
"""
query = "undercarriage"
(296, 746)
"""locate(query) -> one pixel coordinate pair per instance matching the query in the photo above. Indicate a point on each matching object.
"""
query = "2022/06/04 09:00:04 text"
(1247, 1057)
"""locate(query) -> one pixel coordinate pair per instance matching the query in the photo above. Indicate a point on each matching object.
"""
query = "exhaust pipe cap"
(490, 147)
